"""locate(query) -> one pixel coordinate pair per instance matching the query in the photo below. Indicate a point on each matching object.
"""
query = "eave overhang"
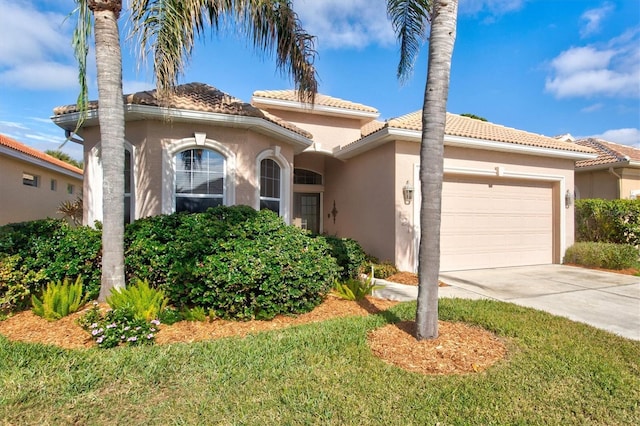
(390, 134)
(38, 162)
(281, 104)
(135, 112)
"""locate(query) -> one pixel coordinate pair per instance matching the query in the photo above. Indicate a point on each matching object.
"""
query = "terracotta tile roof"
(608, 152)
(197, 97)
(322, 100)
(24, 149)
(458, 125)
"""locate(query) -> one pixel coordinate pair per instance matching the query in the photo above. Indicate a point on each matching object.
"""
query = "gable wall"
(326, 130)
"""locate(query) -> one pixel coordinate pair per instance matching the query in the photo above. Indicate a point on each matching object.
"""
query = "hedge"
(608, 221)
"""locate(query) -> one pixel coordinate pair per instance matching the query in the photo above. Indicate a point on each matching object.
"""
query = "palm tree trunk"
(111, 118)
(434, 112)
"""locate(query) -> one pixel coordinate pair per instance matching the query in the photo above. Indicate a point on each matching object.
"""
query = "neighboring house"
(32, 183)
(333, 168)
(615, 173)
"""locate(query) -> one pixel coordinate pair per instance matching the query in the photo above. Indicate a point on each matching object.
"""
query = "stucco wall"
(363, 191)
(21, 202)
(328, 131)
(151, 141)
(597, 184)
(630, 182)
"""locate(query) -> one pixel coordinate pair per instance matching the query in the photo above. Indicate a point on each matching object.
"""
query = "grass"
(558, 372)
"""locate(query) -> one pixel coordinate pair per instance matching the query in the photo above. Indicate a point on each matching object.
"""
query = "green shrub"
(349, 255)
(118, 327)
(355, 289)
(59, 300)
(14, 294)
(197, 313)
(602, 255)
(145, 302)
(384, 269)
(240, 263)
(170, 315)
(608, 221)
(43, 251)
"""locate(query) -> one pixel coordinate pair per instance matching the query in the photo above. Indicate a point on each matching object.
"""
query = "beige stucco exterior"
(23, 203)
(360, 194)
(153, 144)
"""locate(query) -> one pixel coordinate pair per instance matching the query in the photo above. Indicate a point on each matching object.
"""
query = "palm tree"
(410, 19)
(168, 29)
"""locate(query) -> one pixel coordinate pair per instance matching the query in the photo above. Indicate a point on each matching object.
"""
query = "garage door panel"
(490, 223)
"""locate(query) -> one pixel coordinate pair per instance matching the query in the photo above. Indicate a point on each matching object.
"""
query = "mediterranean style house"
(32, 183)
(334, 168)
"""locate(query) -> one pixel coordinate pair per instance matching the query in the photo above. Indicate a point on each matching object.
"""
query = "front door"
(306, 206)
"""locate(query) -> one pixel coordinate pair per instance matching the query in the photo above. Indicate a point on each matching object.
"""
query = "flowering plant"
(118, 327)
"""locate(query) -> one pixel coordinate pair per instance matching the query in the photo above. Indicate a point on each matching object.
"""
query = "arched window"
(199, 180)
(270, 182)
(306, 177)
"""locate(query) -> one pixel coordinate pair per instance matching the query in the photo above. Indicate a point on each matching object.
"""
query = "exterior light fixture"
(568, 199)
(407, 193)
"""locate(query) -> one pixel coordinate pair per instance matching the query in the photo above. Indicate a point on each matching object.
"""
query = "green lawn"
(557, 372)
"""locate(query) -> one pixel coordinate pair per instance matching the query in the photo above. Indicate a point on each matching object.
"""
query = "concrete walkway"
(602, 299)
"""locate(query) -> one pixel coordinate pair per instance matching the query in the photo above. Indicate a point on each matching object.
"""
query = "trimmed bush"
(608, 221)
(240, 263)
(602, 255)
(32, 254)
(349, 255)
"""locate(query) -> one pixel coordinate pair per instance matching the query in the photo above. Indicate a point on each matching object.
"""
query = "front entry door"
(306, 206)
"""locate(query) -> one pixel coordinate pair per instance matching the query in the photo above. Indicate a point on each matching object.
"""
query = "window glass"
(70, 189)
(199, 180)
(270, 185)
(306, 177)
(29, 179)
(54, 185)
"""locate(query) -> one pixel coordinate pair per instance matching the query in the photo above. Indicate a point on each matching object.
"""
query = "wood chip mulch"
(459, 349)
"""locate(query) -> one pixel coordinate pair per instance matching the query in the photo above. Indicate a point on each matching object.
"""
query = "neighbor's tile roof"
(24, 149)
(608, 152)
(458, 125)
(197, 97)
(322, 100)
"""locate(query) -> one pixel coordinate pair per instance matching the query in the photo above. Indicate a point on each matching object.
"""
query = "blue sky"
(545, 66)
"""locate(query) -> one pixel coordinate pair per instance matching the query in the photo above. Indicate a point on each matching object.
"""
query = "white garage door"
(489, 223)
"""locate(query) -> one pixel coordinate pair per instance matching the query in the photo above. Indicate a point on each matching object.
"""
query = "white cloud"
(346, 23)
(593, 18)
(39, 54)
(41, 76)
(612, 70)
(628, 136)
(592, 108)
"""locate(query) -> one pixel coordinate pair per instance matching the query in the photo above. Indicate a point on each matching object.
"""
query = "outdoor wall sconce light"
(334, 211)
(407, 193)
(568, 199)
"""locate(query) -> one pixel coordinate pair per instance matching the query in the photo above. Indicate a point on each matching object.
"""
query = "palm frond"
(80, 41)
(167, 30)
(410, 19)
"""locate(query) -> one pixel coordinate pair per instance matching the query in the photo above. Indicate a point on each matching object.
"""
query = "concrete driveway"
(602, 299)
